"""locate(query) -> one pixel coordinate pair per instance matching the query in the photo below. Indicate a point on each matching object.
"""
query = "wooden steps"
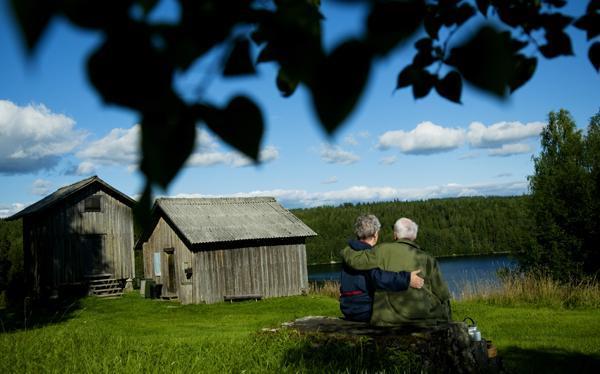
(104, 286)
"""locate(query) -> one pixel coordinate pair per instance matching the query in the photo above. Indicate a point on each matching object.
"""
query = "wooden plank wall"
(163, 237)
(56, 239)
(270, 271)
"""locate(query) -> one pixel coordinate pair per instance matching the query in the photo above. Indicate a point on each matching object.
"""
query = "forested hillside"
(11, 256)
(453, 226)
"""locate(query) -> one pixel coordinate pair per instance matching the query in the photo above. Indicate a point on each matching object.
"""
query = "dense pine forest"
(11, 257)
(453, 226)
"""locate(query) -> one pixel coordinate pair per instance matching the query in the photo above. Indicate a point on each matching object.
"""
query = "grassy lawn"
(532, 339)
(133, 334)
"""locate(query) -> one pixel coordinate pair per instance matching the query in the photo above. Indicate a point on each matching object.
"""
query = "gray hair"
(366, 226)
(405, 228)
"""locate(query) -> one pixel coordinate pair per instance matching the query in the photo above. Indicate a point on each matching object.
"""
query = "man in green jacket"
(428, 305)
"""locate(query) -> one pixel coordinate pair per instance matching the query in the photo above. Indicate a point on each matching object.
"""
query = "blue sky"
(55, 130)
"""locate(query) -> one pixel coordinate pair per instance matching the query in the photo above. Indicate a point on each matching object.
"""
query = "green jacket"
(426, 306)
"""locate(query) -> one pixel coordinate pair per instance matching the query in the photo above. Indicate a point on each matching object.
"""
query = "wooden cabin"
(211, 250)
(80, 232)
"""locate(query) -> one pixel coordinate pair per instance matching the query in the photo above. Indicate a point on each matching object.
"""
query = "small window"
(157, 264)
(92, 204)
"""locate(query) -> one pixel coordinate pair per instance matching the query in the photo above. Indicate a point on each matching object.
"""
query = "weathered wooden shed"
(208, 250)
(79, 232)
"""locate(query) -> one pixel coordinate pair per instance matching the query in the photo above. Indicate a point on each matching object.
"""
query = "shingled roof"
(211, 220)
(64, 192)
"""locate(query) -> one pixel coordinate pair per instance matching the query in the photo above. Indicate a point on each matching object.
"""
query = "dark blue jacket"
(358, 287)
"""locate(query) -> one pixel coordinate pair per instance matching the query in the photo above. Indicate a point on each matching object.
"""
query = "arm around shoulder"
(359, 260)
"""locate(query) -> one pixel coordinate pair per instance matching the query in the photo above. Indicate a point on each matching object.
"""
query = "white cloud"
(122, 147)
(9, 210)
(84, 168)
(336, 155)
(389, 160)
(268, 154)
(426, 138)
(119, 147)
(503, 175)
(41, 187)
(355, 194)
(32, 138)
(330, 180)
(510, 149)
(235, 159)
(350, 140)
(468, 156)
(500, 133)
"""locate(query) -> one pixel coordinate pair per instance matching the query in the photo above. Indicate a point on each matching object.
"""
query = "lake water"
(459, 272)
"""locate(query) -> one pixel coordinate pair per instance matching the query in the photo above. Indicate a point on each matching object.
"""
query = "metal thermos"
(472, 329)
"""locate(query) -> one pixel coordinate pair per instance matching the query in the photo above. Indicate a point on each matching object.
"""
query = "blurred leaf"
(339, 82)
(148, 5)
(292, 35)
(557, 44)
(209, 22)
(423, 83)
(97, 14)
(515, 44)
(127, 70)
(594, 55)
(265, 55)
(390, 22)
(285, 83)
(516, 14)
(450, 87)
(556, 3)
(555, 21)
(424, 44)
(406, 77)
(590, 23)
(483, 6)
(168, 139)
(142, 208)
(485, 60)
(464, 12)
(432, 25)
(240, 124)
(239, 61)
(424, 57)
(33, 16)
(524, 69)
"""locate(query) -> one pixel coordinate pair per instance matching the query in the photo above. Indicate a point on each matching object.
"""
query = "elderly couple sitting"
(392, 283)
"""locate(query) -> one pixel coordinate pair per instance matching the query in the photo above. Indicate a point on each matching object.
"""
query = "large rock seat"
(443, 348)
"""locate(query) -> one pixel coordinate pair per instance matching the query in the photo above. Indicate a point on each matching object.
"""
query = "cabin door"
(92, 247)
(170, 281)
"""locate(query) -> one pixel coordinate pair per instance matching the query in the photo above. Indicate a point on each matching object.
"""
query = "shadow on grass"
(519, 360)
(26, 315)
(354, 355)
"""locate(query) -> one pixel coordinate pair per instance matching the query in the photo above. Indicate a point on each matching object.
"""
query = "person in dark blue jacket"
(358, 287)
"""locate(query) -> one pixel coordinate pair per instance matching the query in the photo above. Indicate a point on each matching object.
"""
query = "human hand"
(415, 280)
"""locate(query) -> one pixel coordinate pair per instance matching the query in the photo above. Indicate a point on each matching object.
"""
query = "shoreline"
(501, 253)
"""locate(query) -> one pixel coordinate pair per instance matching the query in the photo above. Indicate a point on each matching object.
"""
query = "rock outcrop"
(446, 348)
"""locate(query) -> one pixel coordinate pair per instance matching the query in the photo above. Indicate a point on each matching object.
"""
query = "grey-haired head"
(366, 226)
(405, 228)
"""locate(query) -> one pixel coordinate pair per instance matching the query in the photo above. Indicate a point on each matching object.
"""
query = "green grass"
(539, 339)
(535, 288)
(133, 334)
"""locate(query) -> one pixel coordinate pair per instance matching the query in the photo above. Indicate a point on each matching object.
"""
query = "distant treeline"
(11, 258)
(453, 226)
(456, 226)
